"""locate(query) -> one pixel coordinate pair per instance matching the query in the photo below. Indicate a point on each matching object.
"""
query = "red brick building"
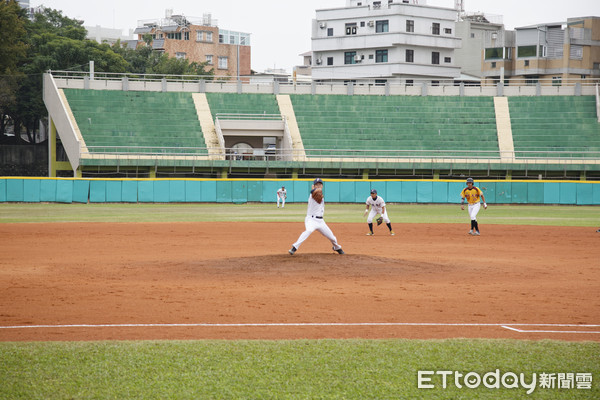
(199, 40)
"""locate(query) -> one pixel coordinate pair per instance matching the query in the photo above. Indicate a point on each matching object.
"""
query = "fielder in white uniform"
(281, 195)
(377, 205)
(314, 222)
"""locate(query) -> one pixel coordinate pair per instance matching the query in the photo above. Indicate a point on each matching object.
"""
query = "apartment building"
(472, 29)
(199, 40)
(548, 52)
(398, 41)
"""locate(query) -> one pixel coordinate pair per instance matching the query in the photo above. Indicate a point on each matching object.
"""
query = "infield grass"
(398, 213)
(301, 369)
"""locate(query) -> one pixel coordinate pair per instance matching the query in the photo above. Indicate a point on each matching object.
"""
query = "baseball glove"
(317, 195)
(379, 221)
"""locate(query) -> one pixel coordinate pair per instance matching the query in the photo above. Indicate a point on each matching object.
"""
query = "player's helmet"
(317, 180)
(470, 180)
(373, 191)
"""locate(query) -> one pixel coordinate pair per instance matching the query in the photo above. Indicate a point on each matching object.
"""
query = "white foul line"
(310, 324)
(550, 331)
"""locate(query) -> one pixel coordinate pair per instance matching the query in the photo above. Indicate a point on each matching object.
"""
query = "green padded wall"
(2, 190)
(31, 190)
(241, 191)
(81, 191)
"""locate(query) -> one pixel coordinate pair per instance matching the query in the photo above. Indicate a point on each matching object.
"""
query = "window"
(349, 57)
(222, 62)
(576, 52)
(370, 56)
(447, 59)
(435, 83)
(382, 26)
(448, 31)
(531, 80)
(180, 56)
(435, 28)
(526, 63)
(410, 25)
(381, 56)
(209, 36)
(232, 39)
(410, 56)
(409, 82)
(186, 35)
(209, 59)
(329, 31)
(435, 57)
(556, 81)
(174, 35)
(493, 64)
(329, 60)
(527, 51)
(199, 36)
(380, 82)
(472, 36)
(221, 38)
(377, 4)
(362, 24)
(351, 29)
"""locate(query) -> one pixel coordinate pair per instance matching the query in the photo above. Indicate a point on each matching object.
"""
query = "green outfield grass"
(399, 213)
(301, 369)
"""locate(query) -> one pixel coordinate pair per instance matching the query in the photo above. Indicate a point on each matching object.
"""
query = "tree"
(12, 36)
(145, 60)
(13, 48)
(55, 42)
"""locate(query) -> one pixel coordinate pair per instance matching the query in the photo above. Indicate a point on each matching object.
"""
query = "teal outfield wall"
(60, 190)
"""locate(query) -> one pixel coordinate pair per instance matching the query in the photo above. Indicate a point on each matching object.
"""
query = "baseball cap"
(470, 180)
(317, 180)
(373, 191)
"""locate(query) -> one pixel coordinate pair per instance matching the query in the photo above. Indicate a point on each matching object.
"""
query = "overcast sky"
(281, 29)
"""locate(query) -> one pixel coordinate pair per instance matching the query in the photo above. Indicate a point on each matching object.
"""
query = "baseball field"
(204, 301)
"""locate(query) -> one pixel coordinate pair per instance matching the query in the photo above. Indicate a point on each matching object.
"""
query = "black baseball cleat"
(339, 251)
(292, 250)
(598, 231)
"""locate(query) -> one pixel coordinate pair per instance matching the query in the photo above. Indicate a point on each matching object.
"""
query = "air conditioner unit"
(357, 58)
(371, 23)
(323, 25)
(318, 61)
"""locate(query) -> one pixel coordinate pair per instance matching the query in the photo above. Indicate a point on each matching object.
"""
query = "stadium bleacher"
(233, 103)
(131, 120)
(450, 126)
(542, 126)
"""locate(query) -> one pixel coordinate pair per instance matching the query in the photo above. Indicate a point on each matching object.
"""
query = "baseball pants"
(317, 224)
(473, 210)
(282, 201)
(372, 215)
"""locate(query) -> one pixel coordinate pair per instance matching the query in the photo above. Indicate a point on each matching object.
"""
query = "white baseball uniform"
(377, 205)
(314, 222)
(281, 195)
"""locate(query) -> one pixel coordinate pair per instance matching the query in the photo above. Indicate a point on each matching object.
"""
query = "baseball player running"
(473, 195)
(314, 219)
(377, 205)
(281, 195)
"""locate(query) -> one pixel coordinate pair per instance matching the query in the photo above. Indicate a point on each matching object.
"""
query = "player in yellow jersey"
(473, 195)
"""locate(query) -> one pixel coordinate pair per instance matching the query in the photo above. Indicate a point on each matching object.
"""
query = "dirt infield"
(221, 278)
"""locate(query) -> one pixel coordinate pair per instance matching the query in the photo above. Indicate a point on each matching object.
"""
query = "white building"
(107, 35)
(401, 41)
